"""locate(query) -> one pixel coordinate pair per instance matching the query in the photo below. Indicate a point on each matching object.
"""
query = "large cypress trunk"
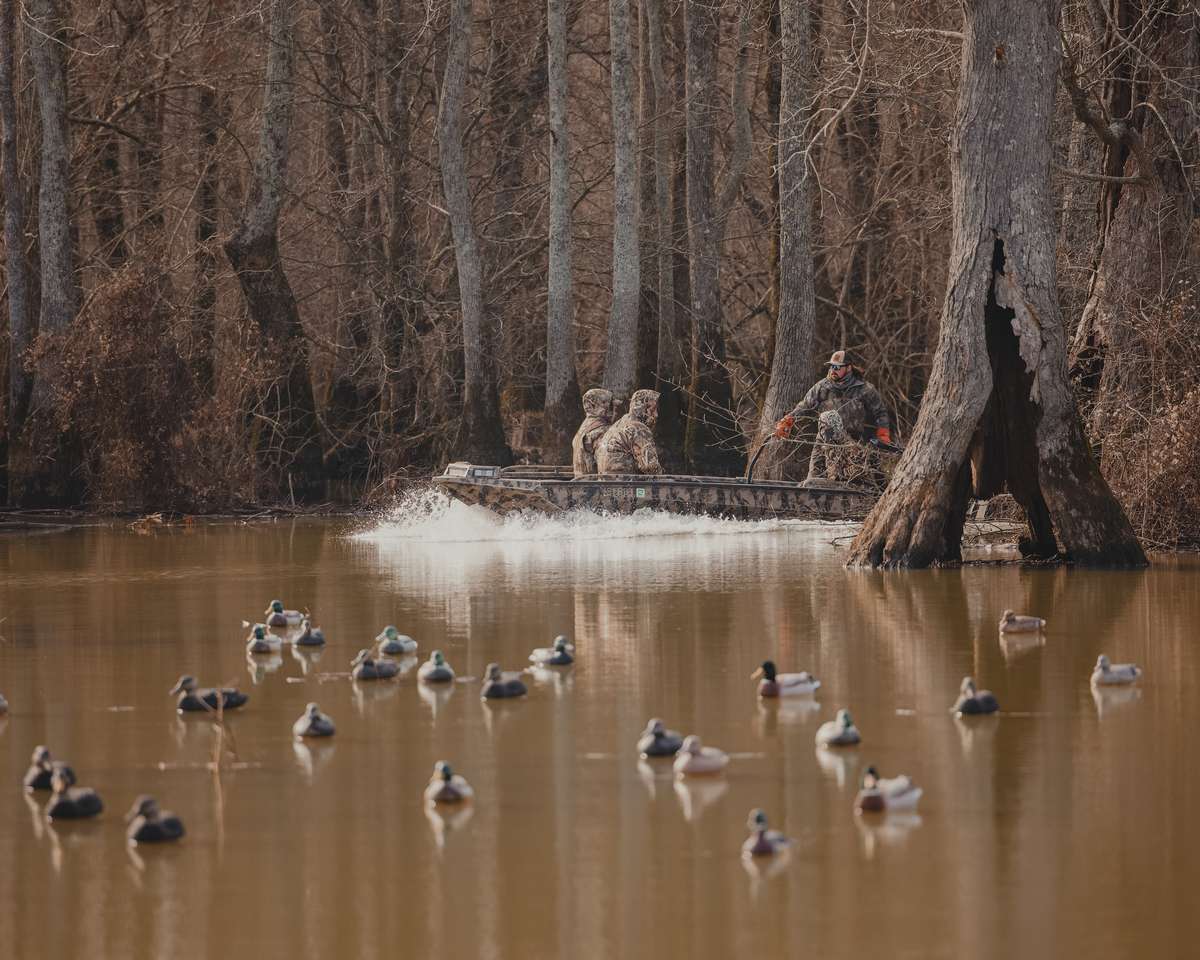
(998, 412)
(287, 440)
(562, 387)
(792, 354)
(482, 439)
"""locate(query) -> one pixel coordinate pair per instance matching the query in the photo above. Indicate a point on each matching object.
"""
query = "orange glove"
(884, 434)
(784, 426)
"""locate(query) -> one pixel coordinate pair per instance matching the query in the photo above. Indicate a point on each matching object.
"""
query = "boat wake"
(430, 516)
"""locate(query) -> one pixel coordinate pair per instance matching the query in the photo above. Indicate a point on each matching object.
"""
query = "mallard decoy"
(562, 654)
(657, 741)
(310, 636)
(1016, 623)
(393, 643)
(695, 758)
(774, 684)
(367, 667)
(971, 701)
(446, 786)
(70, 802)
(193, 699)
(41, 770)
(148, 824)
(762, 842)
(278, 617)
(260, 642)
(895, 793)
(1114, 674)
(435, 669)
(497, 685)
(839, 732)
(313, 723)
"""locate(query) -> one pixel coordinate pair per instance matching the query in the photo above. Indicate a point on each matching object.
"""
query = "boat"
(555, 489)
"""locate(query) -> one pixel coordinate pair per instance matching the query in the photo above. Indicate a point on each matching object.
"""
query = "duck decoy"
(41, 770)
(446, 786)
(1016, 623)
(70, 802)
(393, 643)
(310, 636)
(773, 684)
(193, 699)
(839, 732)
(657, 741)
(894, 793)
(762, 842)
(971, 701)
(148, 824)
(3, 705)
(1114, 674)
(497, 685)
(435, 669)
(313, 723)
(367, 667)
(695, 758)
(561, 654)
(278, 617)
(260, 642)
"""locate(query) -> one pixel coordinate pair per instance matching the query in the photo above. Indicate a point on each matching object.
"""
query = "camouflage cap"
(641, 402)
(840, 358)
(597, 402)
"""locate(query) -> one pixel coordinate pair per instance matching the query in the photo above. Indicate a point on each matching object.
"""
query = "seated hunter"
(850, 414)
(628, 447)
(599, 405)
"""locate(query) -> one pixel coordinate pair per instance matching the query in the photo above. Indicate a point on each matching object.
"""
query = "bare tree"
(620, 366)
(483, 433)
(293, 450)
(562, 387)
(792, 354)
(998, 411)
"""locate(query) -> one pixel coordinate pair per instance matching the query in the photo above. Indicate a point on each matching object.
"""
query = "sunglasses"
(838, 366)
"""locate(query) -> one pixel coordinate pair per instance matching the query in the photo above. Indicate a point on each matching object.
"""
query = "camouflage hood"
(641, 404)
(598, 403)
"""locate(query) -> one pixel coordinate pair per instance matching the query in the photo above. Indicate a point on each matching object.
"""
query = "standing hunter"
(628, 447)
(850, 413)
(599, 405)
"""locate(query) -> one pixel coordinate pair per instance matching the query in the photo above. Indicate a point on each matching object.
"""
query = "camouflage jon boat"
(548, 489)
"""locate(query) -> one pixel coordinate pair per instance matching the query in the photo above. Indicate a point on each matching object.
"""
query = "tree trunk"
(204, 311)
(620, 362)
(562, 387)
(792, 355)
(291, 451)
(649, 239)
(713, 440)
(20, 316)
(998, 411)
(482, 436)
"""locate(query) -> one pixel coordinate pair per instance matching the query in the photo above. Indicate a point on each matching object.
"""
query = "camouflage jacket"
(597, 404)
(628, 448)
(859, 404)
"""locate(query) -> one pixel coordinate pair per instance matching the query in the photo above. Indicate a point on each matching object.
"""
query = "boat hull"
(553, 490)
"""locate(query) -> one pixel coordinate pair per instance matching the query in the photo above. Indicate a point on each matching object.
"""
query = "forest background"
(303, 250)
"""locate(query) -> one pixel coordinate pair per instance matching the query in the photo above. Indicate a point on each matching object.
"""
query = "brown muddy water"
(1067, 827)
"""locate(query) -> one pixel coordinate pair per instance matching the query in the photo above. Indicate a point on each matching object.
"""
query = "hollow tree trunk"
(998, 410)
(482, 437)
(290, 450)
(713, 440)
(562, 387)
(20, 316)
(792, 359)
(620, 361)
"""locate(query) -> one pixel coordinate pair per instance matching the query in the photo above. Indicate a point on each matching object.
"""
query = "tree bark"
(204, 310)
(562, 386)
(20, 328)
(482, 435)
(291, 449)
(791, 363)
(620, 362)
(998, 411)
(713, 439)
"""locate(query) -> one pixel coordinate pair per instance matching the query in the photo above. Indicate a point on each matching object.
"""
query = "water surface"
(1065, 827)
